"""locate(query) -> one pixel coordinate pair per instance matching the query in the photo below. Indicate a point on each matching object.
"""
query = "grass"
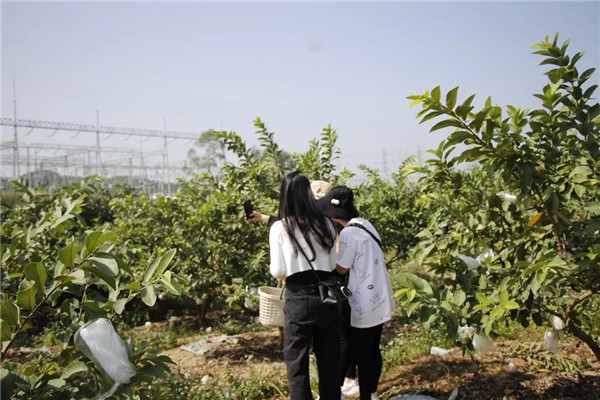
(255, 386)
(412, 340)
(172, 333)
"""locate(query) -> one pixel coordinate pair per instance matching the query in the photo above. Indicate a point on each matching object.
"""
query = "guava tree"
(219, 253)
(393, 208)
(531, 211)
(65, 281)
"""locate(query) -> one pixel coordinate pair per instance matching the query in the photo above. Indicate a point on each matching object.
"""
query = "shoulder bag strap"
(366, 230)
(305, 256)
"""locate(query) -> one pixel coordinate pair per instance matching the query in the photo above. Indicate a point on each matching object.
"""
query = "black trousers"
(365, 343)
(310, 323)
(348, 363)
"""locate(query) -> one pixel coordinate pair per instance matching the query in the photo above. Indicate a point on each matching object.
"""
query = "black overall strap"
(356, 225)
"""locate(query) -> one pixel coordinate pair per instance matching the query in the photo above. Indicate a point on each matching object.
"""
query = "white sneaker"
(374, 396)
(350, 388)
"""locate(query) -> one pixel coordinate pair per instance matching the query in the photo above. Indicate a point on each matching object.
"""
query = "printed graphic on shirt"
(371, 301)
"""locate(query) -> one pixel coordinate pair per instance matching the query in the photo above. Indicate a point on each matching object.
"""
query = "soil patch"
(486, 376)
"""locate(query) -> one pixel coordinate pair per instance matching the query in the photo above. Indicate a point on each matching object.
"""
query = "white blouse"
(283, 260)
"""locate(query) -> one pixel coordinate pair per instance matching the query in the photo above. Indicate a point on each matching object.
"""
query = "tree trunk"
(584, 337)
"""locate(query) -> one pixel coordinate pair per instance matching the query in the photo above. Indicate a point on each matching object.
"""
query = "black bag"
(327, 291)
(327, 294)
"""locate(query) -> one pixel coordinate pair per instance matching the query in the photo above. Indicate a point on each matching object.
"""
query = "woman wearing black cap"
(371, 301)
(302, 251)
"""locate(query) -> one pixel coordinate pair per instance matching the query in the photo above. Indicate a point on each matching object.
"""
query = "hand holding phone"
(248, 208)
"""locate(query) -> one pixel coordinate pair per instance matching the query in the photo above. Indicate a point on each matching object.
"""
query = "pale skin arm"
(338, 267)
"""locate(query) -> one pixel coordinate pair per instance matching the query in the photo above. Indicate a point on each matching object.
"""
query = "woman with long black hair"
(303, 252)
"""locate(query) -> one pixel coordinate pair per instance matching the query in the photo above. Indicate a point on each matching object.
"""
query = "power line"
(66, 126)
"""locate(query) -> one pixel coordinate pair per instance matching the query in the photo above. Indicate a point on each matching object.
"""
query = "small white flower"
(335, 201)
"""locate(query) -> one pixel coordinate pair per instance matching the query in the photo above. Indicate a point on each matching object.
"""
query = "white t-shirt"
(371, 302)
(283, 260)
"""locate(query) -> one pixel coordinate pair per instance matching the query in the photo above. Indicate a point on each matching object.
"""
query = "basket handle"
(282, 289)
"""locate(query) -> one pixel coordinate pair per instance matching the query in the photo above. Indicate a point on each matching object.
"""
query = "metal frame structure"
(75, 155)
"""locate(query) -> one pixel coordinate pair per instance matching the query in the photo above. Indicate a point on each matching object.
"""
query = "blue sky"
(299, 66)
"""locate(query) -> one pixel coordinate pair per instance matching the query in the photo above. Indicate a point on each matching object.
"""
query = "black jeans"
(365, 343)
(348, 363)
(308, 322)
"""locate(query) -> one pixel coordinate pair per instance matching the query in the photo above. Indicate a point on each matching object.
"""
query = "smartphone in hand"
(248, 208)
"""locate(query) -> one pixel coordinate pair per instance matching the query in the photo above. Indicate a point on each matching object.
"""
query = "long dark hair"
(298, 209)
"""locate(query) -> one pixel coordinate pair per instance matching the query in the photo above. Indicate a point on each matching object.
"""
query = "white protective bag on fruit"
(483, 343)
(98, 340)
(551, 341)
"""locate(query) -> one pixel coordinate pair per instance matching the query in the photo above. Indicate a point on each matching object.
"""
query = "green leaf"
(153, 370)
(463, 110)
(5, 332)
(435, 94)
(78, 276)
(134, 286)
(68, 254)
(26, 295)
(451, 98)
(9, 312)
(459, 136)
(483, 300)
(581, 170)
(445, 124)
(73, 368)
(497, 313)
(415, 101)
(164, 261)
(503, 297)
(585, 75)
(95, 239)
(459, 297)
(411, 307)
(57, 383)
(427, 315)
(511, 305)
(36, 272)
(99, 270)
(91, 305)
(171, 286)
(91, 241)
(526, 178)
(119, 305)
(557, 262)
(451, 326)
(431, 115)
(148, 295)
(105, 262)
(150, 272)
(593, 207)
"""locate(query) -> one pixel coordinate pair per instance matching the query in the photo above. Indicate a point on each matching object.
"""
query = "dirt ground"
(485, 377)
